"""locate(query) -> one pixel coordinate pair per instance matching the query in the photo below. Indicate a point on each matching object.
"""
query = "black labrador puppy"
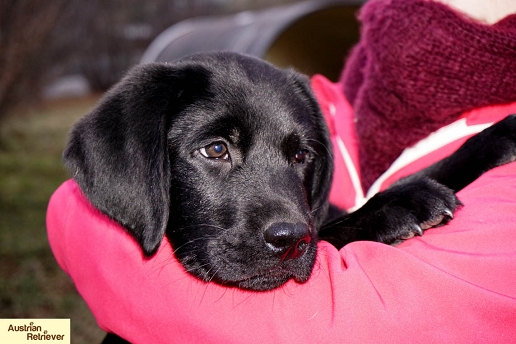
(230, 158)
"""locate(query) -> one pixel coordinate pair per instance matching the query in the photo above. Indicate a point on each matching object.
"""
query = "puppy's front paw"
(404, 211)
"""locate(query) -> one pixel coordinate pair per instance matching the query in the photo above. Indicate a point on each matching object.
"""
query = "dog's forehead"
(244, 114)
(266, 107)
(258, 89)
(245, 96)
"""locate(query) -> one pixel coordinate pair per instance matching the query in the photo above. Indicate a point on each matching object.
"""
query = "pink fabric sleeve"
(456, 284)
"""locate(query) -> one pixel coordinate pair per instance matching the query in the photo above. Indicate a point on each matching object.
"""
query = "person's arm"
(455, 284)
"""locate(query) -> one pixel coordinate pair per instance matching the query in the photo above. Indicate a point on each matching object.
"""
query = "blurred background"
(56, 59)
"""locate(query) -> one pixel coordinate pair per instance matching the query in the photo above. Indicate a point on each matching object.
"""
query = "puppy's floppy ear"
(323, 175)
(118, 153)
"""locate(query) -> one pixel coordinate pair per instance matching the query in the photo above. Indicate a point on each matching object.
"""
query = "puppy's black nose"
(288, 240)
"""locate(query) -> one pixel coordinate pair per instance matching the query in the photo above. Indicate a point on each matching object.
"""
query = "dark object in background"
(313, 37)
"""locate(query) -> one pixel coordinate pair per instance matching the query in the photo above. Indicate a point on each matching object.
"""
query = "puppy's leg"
(495, 146)
(427, 198)
(396, 214)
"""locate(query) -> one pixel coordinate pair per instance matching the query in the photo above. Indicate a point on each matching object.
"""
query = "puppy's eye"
(215, 150)
(301, 156)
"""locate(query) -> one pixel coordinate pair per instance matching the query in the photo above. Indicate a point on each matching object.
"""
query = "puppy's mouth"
(254, 271)
(271, 279)
(258, 262)
(298, 269)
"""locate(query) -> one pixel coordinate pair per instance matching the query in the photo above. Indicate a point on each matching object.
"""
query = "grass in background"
(31, 283)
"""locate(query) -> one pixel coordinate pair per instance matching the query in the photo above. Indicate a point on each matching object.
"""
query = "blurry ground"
(31, 283)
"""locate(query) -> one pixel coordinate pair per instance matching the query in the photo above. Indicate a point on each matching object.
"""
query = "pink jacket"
(455, 284)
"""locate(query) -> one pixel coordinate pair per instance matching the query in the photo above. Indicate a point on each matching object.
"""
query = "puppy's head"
(226, 154)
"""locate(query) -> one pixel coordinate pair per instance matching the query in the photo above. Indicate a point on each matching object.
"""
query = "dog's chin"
(271, 280)
(298, 270)
(261, 279)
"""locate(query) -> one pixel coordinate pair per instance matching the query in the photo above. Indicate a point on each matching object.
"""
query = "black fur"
(426, 199)
(152, 156)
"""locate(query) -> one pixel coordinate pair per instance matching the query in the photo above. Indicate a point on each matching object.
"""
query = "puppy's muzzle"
(288, 240)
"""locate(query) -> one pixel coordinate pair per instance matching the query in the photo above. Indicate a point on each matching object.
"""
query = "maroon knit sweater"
(419, 66)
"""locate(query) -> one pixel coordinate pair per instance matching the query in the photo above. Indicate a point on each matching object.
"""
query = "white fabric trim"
(434, 141)
(353, 173)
